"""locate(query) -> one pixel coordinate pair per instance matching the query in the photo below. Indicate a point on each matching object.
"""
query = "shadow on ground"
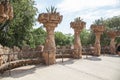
(111, 55)
(93, 58)
(66, 62)
(21, 72)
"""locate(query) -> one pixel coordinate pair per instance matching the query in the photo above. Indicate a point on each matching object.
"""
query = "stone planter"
(112, 34)
(50, 21)
(98, 30)
(77, 26)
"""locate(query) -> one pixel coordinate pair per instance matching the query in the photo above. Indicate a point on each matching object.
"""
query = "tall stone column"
(77, 44)
(97, 44)
(112, 35)
(50, 21)
(49, 47)
(98, 30)
(77, 25)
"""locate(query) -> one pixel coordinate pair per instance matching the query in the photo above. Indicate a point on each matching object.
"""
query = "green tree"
(69, 39)
(39, 36)
(21, 26)
(85, 37)
(63, 39)
(110, 24)
(60, 38)
(113, 23)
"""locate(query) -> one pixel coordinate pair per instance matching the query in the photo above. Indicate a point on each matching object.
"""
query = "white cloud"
(88, 10)
(111, 13)
(77, 5)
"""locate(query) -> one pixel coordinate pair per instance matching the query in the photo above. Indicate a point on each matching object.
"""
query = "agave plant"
(99, 22)
(51, 10)
(78, 19)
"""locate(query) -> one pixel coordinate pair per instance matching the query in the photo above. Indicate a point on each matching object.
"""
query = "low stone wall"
(15, 53)
(64, 50)
(28, 53)
(15, 57)
(19, 63)
(8, 54)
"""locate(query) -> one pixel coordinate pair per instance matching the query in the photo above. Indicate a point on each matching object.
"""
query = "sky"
(88, 10)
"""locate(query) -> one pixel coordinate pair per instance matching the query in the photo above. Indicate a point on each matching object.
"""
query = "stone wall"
(27, 52)
(8, 54)
(15, 53)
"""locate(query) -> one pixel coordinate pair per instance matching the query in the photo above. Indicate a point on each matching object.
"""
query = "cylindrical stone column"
(98, 30)
(112, 35)
(77, 44)
(50, 21)
(97, 44)
(77, 25)
(49, 52)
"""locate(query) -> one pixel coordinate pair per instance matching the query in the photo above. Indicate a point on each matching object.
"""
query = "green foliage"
(110, 24)
(117, 40)
(51, 10)
(62, 39)
(113, 23)
(105, 40)
(78, 19)
(99, 22)
(85, 37)
(92, 38)
(39, 36)
(20, 27)
(69, 39)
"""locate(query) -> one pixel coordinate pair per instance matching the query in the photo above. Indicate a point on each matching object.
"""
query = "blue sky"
(88, 10)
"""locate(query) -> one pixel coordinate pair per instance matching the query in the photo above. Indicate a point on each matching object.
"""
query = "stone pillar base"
(96, 54)
(49, 58)
(119, 53)
(77, 55)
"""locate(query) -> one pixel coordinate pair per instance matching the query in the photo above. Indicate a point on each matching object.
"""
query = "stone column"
(77, 26)
(112, 35)
(77, 44)
(97, 44)
(50, 21)
(98, 30)
(49, 47)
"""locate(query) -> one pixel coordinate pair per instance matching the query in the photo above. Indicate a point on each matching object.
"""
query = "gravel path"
(93, 68)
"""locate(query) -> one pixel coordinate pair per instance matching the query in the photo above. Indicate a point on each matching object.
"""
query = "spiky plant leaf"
(48, 10)
(52, 10)
(78, 19)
